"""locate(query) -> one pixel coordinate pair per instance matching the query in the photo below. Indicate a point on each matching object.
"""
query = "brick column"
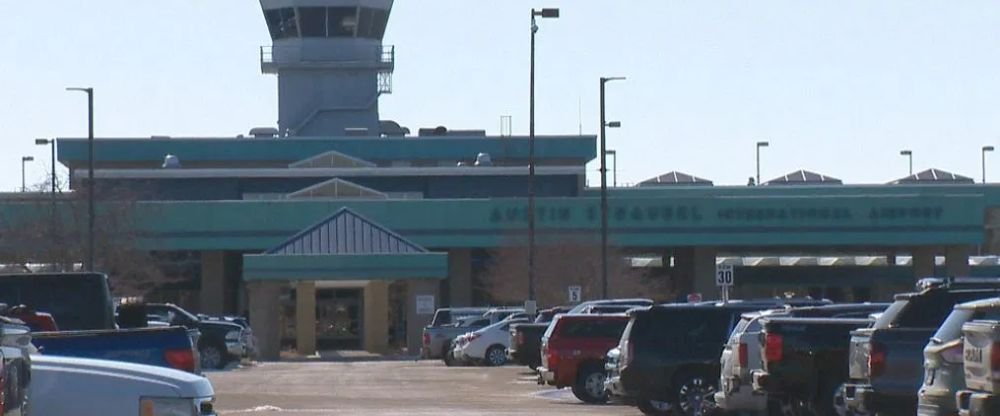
(460, 277)
(923, 262)
(265, 312)
(415, 322)
(376, 318)
(956, 261)
(212, 297)
(305, 317)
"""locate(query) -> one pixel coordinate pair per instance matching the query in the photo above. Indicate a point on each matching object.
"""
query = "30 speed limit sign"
(724, 275)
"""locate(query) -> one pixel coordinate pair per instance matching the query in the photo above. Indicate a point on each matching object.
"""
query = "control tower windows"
(342, 21)
(313, 21)
(372, 23)
(282, 23)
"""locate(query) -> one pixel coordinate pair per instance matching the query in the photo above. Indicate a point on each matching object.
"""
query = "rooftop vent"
(171, 162)
(436, 131)
(260, 132)
(484, 159)
(391, 128)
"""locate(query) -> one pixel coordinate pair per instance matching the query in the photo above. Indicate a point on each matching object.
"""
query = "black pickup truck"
(805, 362)
(526, 339)
(886, 362)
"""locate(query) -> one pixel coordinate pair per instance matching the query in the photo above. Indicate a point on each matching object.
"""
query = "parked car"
(741, 354)
(981, 363)
(487, 345)
(169, 347)
(805, 363)
(15, 367)
(77, 301)
(220, 343)
(438, 340)
(611, 302)
(670, 354)
(526, 338)
(573, 351)
(944, 373)
(448, 316)
(67, 386)
(886, 364)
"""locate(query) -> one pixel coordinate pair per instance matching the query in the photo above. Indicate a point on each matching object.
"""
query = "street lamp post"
(90, 175)
(52, 175)
(24, 159)
(909, 157)
(604, 188)
(545, 14)
(760, 145)
(985, 149)
(614, 168)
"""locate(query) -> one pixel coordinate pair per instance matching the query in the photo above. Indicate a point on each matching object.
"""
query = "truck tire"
(589, 386)
(496, 356)
(652, 407)
(212, 357)
(695, 396)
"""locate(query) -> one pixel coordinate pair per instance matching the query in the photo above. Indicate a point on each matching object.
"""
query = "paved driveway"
(391, 388)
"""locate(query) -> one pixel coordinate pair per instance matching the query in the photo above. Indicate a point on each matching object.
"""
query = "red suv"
(573, 351)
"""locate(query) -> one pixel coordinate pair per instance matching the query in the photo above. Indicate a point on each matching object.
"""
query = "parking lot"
(392, 388)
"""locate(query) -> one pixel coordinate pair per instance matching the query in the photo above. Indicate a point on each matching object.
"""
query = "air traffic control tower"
(331, 64)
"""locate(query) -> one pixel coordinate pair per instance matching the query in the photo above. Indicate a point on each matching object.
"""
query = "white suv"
(487, 345)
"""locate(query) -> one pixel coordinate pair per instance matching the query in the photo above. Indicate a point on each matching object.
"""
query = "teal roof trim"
(345, 267)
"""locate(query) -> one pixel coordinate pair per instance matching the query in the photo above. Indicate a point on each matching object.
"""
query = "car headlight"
(233, 336)
(157, 406)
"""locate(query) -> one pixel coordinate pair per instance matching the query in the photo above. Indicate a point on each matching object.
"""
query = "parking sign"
(575, 294)
(724, 275)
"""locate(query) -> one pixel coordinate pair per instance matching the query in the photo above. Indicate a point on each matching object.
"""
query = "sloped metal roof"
(347, 232)
(339, 189)
(332, 159)
(804, 177)
(675, 178)
(934, 176)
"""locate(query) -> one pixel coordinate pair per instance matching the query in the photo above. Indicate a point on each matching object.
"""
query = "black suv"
(669, 361)
(221, 342)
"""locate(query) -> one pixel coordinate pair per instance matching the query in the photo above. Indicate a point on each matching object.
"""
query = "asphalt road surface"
(392, 388)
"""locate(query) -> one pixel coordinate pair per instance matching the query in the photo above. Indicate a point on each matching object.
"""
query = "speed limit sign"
(724, 275)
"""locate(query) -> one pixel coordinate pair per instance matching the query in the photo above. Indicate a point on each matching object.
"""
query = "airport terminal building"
(337, 227)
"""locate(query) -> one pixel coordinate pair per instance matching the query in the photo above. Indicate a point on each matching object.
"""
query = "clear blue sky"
(838, 87)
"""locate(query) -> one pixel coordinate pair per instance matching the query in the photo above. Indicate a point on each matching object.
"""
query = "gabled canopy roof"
(337, 188)
(675, 178)
(934, 176)
(804, 177)
(347, 232)
(332, 159)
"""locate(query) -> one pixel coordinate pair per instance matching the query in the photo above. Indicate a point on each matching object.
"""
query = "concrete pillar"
(415, 322)
(376, 317)
(694, 271)
(956, 261)
(305, 317)
(460, 277)
(213, 283)
(265, 310)
(923, 262)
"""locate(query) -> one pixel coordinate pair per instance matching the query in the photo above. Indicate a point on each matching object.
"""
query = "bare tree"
(52, 232)
(558, 266)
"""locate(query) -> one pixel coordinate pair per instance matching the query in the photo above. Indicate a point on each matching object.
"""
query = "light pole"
(24, 159)
(604, 188)
(614, 169)
(909, 156)
(52, 175)
(90, 175)
(545, 14)
(760, 145)
(985, 149)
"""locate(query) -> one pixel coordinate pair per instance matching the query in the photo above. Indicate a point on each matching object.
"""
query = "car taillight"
(774, 346)
(995, 358)
(744, 355)
(876, 359)
(427, 339)
(182, 359)
(953, 354)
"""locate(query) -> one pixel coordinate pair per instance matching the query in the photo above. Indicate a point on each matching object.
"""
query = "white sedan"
(487, 345)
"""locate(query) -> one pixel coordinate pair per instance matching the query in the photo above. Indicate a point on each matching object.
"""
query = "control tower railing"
(382, 58)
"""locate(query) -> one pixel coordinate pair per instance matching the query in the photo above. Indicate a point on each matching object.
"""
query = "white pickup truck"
(65, 386)
(982, 369)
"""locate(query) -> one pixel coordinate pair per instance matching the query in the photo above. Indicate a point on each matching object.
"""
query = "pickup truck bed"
(805, 360)
(169, 347)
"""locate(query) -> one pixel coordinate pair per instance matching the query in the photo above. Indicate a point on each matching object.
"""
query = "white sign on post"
(724, 275)
(425, 304)
(724, 279)
(575, 294)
